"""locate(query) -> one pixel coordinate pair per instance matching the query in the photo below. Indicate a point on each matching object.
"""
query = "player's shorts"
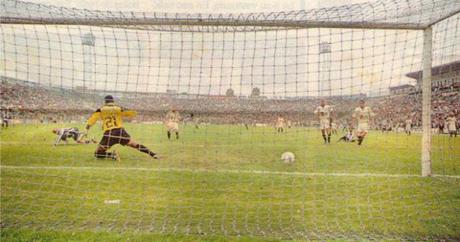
(172, 126)
(452, 128)
(408, 128)
(324, 124)
(115, 136)
(363, 127)
(72, 134)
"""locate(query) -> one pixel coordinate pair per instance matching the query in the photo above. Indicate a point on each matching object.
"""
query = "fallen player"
(63, 134)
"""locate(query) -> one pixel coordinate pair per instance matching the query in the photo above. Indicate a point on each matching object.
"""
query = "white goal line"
(282, 173)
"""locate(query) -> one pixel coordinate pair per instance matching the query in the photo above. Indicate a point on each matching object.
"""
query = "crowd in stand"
(47, 104)
(393, 111)
(36, 97)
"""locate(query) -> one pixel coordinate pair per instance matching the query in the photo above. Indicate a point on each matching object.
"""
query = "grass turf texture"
(199, 199)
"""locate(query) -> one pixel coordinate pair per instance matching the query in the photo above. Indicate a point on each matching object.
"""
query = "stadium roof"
(437, 70)
(382, 14)
(400, 87)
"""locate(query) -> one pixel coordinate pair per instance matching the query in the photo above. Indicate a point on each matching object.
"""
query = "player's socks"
(360, 140)
(177, 135)
(169, 135)
(144, 149)
(324, 138)
(329, 138)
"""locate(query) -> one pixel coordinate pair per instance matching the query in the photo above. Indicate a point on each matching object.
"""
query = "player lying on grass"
(111, 116)
(348, 137)
(362, 115)
(71, 133)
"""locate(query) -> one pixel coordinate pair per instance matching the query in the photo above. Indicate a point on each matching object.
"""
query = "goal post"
(426, 101)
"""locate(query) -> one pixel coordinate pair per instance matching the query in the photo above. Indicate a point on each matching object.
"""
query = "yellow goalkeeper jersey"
(111, 116)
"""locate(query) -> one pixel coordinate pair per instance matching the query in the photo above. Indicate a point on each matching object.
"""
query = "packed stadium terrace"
(30, 102)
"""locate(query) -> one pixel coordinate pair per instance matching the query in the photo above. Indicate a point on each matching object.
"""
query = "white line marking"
(223, 171)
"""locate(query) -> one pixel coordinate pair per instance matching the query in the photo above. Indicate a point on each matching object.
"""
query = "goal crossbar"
(383, 14)
(212, 22)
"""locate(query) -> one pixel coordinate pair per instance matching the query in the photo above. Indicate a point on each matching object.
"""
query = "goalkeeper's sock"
(105, 155)
(144, 149)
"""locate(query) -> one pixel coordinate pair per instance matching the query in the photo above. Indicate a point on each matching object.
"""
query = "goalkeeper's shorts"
(115, 136)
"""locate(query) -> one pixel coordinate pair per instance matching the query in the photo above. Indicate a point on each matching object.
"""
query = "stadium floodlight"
(88, 41)
(325, 68)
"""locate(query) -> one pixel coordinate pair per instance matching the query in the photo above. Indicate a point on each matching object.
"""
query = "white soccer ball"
(288, 157)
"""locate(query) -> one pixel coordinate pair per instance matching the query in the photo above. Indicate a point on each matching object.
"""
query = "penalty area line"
(235, 171)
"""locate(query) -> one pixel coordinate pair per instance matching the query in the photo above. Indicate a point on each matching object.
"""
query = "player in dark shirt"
(5, 118)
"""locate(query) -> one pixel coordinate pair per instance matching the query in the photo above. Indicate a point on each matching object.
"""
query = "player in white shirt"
(451, 122)
(63, 134)
(324, 113)
(172, 120)
(280, 122)
(195, 121)
(362, 115)
(334, 128)
(408, 128)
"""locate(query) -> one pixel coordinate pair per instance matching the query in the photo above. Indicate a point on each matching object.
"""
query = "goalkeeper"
(111, 116)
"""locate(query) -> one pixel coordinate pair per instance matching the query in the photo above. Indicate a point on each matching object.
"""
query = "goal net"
(247, 88)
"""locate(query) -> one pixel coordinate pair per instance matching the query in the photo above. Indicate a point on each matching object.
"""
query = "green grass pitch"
(227, 183)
